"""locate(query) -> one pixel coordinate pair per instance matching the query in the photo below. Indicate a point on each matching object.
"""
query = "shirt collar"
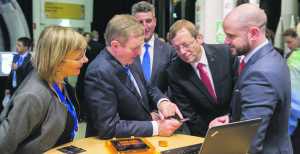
(203, 59)
(250, 54)
(151, 42)
(22, 55)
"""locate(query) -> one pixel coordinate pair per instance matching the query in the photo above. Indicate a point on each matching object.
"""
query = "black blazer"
(192, 97)
(115, 107)
(21, 71)
(163, 55)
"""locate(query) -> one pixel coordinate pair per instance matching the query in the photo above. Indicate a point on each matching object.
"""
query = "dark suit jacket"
(115, 107)
(264, 90)
(192, 97)
(162, 58)
(92, 51)
(21, 71)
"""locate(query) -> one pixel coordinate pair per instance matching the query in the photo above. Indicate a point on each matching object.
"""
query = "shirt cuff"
(161, 100)
(155, 128)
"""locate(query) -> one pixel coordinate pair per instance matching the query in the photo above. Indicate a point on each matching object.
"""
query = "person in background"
(21, 65)
(270, 36)
(263, 89)
(95, 36)
(119, 98)
(40, 114)
(156, 55)
(293, 42)
(199, 100)
(92, 50)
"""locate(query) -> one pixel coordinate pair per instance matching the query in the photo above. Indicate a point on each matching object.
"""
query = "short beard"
(243, 50)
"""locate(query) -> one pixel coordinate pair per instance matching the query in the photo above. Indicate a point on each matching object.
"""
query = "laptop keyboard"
(192, 149)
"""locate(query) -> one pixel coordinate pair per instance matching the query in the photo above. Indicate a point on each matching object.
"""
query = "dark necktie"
(146, 62)
(206, 81)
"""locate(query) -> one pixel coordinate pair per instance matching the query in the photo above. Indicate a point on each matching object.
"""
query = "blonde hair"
(121, 27)
(52, 46)
(180, 24)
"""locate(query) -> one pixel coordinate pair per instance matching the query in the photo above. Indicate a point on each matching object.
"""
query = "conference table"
(94, 145)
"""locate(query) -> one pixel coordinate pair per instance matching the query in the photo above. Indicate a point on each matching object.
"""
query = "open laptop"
(233, 138)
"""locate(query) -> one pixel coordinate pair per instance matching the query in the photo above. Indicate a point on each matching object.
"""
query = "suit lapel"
(143, 98)
(122, 74)
(124, 79)
(260, 53)
(214, 69)
(26, 59)
(138, 65)
(156, 58)
(193, 77)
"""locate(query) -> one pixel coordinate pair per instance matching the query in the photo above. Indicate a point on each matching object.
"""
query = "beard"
(240, 50)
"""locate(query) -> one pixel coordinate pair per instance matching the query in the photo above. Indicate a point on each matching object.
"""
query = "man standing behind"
(21, 65)
(292, 40)
(117, 95)
(156, 55)
(201, 79)
(263, 89)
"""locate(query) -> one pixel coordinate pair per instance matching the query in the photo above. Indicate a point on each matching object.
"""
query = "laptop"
(233, 138)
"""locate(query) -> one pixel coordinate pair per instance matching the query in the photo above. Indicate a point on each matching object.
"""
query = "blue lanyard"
(68, 104)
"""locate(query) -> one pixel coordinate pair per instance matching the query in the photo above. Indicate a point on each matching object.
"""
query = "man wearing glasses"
(201, 79)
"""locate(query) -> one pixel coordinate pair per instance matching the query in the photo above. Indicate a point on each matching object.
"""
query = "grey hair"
(142, 6)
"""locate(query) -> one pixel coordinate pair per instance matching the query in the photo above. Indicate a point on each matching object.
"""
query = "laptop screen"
(232, 138)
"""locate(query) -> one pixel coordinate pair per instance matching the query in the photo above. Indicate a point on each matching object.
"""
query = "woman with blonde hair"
(40, 114)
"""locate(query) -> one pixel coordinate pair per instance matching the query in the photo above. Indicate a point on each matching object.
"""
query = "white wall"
(209, 18)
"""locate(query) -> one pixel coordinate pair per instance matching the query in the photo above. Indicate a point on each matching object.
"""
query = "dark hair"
(290, 32)
(270, 35)
(25, 41)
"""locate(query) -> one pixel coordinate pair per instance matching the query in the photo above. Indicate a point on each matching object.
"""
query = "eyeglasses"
(184, 46)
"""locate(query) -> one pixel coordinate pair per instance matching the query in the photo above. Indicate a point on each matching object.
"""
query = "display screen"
(6, 59)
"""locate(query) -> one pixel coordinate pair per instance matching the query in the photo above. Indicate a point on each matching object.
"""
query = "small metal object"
(163, 143)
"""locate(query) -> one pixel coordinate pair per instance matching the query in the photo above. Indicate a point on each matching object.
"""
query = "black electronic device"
(71, 149)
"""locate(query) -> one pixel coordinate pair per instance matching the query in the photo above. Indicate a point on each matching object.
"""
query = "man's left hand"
(167, 109)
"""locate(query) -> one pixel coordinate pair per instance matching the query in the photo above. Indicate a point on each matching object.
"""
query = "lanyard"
(68, 104)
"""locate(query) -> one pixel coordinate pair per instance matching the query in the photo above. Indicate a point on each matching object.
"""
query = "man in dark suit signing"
(201, 79)
(263, 89)
(156, 55)
(117, 95)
